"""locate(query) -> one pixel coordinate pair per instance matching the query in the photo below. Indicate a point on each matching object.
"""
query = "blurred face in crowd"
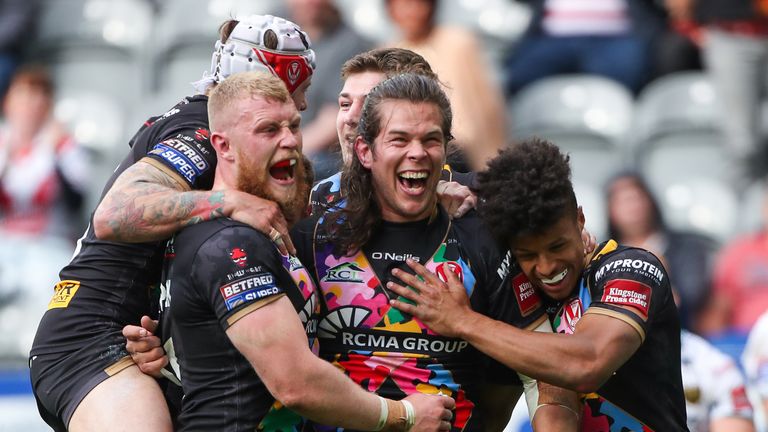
(26, 106)
(351, 99)
(405, 159)
(412, 17)
(630, 208)
(309, 13)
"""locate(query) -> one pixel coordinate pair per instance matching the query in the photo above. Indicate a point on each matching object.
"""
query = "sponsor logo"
(345, 272)
(63, 293)
(294, 72)
(572, 314)
(239, 257)
(633, 265)
(380, 341)
(202, 134)
(169, 113)
(165, 295)
(249, 290)
(391, 256)
(183, 158)
(626, 292)
(452, 266)
(525, 293)
(503, 269)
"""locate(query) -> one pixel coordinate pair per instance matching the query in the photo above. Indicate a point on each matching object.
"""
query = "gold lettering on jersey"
(63, 293)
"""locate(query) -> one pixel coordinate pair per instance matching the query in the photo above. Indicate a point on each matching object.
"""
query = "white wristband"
(410, 415)
(383, 414)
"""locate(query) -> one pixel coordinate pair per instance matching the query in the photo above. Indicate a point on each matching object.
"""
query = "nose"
(416, 150)
(352, 116)
(290, 140)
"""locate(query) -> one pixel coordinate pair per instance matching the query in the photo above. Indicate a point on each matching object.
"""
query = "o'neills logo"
(526, 295)
(399, 342)
(625, 292)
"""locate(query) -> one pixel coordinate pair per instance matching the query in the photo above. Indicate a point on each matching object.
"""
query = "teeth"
(555, 279)
(414, 175)
(293, 162)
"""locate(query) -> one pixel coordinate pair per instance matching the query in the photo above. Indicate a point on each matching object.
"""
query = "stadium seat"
(587, 116)
(186, 35)
(592, 201)
(753, 205)
(701, 204)
(96, 45)
(676, 131)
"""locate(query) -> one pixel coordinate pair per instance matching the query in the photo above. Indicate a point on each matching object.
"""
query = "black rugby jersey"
(215, 273)
(390, 352)
(646, 392)
(107, 284)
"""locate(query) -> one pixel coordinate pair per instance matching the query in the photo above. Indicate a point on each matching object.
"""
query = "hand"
(441, 306)
(590, 241)
(433, 413)
(455, 198)
(144, 347)
(265, 216)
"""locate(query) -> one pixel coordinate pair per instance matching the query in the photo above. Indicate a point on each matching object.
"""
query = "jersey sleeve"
(187, 155)
(630, 285)
(236, 270)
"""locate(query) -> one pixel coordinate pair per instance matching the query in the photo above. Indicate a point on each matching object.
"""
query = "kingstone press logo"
(345, 272)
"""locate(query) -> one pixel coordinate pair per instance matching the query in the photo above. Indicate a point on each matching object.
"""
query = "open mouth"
(556, 279)
(413, 181)
(283, 170)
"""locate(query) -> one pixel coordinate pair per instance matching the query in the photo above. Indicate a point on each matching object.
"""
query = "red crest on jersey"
(202, 134)
(239, 257)
(452, 266)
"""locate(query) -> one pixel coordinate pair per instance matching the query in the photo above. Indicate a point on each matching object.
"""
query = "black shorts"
(60, 381)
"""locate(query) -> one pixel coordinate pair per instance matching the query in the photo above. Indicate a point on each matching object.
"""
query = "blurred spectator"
(735, 48)
(635, 219)
(612, 38)
(755, 361)
(740, 282)
(334, 42)
(17, 21)
(43, 176)
(43, 172)
(715, 394)
(457, 58)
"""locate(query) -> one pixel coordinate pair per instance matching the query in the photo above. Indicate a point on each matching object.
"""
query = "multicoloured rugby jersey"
(107, 284)
(645, 393)
(216, 273)
(392, 353)
(326, 194)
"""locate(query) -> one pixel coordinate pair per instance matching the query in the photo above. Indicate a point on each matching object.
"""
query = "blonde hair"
(240, 86)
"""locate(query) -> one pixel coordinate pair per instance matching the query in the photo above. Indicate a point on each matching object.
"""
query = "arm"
(599, 346)
(731, 424)
(274, 342)
(147, 204)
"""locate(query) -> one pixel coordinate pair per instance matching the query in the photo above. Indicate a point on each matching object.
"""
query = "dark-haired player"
(622, 347)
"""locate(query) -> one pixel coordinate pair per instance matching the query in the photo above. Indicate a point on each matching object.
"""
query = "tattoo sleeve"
(148, 204)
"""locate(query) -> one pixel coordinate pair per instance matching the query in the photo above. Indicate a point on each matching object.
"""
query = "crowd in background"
(47, 178)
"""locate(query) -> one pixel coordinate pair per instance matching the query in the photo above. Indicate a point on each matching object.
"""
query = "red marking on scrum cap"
(292, 69)
(625, 292)
(526, 295)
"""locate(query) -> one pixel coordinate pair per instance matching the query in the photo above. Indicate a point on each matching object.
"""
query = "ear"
(220, 143)
(580, 218)
(364, 152)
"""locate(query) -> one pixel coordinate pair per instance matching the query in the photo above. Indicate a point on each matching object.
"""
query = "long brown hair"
(353, 226)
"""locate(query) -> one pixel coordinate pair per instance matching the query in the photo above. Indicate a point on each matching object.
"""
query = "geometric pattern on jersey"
(381, 348)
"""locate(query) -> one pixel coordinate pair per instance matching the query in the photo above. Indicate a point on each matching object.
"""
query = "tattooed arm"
(147, 203)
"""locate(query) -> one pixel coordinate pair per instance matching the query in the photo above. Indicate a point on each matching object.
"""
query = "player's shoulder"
(221, 233)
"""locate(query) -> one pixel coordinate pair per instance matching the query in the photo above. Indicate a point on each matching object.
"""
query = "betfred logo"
(452, 266)
(624, 292)
(526, 295)
(239, 257)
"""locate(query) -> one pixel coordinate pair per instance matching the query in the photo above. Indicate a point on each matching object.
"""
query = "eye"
(344, 104)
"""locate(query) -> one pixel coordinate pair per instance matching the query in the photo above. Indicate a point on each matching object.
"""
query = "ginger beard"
(253, 178)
